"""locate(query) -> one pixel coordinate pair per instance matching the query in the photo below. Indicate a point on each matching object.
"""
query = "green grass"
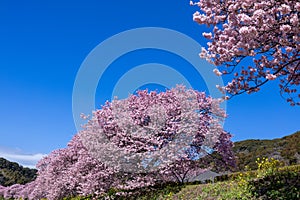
(269, 182)
(213, 191)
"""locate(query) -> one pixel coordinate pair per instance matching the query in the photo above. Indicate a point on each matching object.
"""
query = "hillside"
(286, 149)
(11, 173)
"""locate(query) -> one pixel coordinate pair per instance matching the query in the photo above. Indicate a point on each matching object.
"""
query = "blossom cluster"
(264, 31)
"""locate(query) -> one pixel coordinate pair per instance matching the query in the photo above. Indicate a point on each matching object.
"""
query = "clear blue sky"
(43, 44)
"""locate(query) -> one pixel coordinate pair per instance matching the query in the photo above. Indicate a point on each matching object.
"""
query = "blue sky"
(44, 43)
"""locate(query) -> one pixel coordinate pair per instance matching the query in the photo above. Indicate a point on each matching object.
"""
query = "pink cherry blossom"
(207, 35)
(271, 77)
(266, 31)
(217, 72)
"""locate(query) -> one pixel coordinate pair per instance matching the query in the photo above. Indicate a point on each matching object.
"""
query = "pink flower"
(243, 30)
(297, 6)
(289, 49)
(285, 28)
(221, 89)
(285, 9)
(258, 13)
(207, 35)
(244, 18)
(294, 20)
(271, 77)
(203, 53)
(200, 18)
(217, 72)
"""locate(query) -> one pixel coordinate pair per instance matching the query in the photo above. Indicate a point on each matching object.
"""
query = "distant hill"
(286, 149)
(11, 173)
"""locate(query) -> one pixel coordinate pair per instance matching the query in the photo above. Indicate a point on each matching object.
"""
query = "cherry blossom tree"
(265, 33)
(158, 133)
(146, 139)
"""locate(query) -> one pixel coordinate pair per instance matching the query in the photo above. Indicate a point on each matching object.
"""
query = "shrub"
(280, 185)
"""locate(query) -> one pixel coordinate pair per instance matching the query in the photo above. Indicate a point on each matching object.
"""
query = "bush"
(274, 181)
(280, 185)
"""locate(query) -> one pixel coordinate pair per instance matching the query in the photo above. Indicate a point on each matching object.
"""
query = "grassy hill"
(11, 173)
(286, 149)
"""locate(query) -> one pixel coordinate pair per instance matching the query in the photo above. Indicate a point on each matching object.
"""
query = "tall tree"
(263, 32)
(133, 143)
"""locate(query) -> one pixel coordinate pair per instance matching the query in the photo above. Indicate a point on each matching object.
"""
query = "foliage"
(131, 144)
(273, 182)
(264, 32)
(220, 190)
(12, 173)
(286, 149)
(267, 166)
(277, 185)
